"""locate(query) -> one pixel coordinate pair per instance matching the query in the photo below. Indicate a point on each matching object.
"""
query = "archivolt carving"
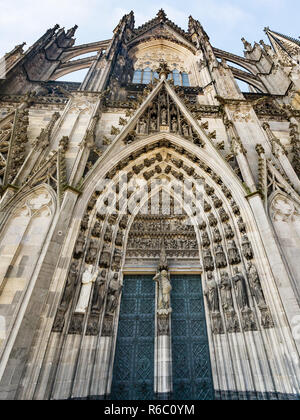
(223, 223)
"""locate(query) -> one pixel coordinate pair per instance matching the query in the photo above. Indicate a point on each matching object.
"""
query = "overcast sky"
(225, 21)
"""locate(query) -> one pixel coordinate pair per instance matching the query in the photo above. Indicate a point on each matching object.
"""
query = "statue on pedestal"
(88, 278)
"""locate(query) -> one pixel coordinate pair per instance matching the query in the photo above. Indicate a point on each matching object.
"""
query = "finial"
(161, 15)
(266, 29)
(247, 45)
(163, 70)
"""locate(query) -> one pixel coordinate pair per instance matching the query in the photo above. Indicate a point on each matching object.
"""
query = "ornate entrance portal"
(134, 365)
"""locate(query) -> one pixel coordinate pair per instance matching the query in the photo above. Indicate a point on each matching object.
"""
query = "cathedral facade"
(150, 217)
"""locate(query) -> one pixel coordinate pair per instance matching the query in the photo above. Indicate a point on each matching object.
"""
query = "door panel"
(192, 377)
(133, 374)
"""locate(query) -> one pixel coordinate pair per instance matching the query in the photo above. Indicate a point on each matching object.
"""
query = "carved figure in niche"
(92, 252)
(241, 290)
(235, 207)
(208, 261)
(123, 222)
(174, 125)
(164, 289)
(88, 278)
(105, 258)
(153, 124)
(85, 222)
(207, 206)
(255, 285)
(143, 126)
(119, 239)
(211, 293)
(113, 295)
(97, 230)
(220, 257)
(233, 253)
(79, 248)
(68, 292)
(223, 215)
(108, 234)
(97, 300)
(225, 291)
(217, 202)
(71, 282)
(205, 239)
(212, 220)
(217, 236)
(241, 225)
(164, 116)
(247, 248)
(185, 130)
(202, 225)
(229, 234)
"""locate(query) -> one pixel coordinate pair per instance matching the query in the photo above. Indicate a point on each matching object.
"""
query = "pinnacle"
(161, 14)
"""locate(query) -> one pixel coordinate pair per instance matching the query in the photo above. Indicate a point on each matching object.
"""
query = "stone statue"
(221, 261)
(114, 292)
(185, 130)
(143, 126)
(71, 282)
(228, 231)
(255, 286)
(247, 248)
(223, 215)
(225, 291)
(211, 293)
(208, 261)
(233, 254)
(97, 300)
(88, 278)
(174, 125)
(241, 225)
(164, 289)
(217, 236)
(241, 291)
(205, 239)
(79, 245)
(164, 116)
(212, 220)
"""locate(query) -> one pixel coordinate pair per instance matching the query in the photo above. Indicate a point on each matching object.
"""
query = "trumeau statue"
(88, 278)
(164, 290)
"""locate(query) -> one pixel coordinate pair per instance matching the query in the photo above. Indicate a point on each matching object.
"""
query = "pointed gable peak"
(289, 45)
(161, 15)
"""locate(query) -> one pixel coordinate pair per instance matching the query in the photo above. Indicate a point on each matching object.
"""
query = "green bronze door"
(192, 377)
(133, 374)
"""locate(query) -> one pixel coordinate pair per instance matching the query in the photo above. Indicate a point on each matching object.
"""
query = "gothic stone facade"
(158, 104)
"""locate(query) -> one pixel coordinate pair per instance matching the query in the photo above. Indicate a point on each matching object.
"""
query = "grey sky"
(225, 21)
